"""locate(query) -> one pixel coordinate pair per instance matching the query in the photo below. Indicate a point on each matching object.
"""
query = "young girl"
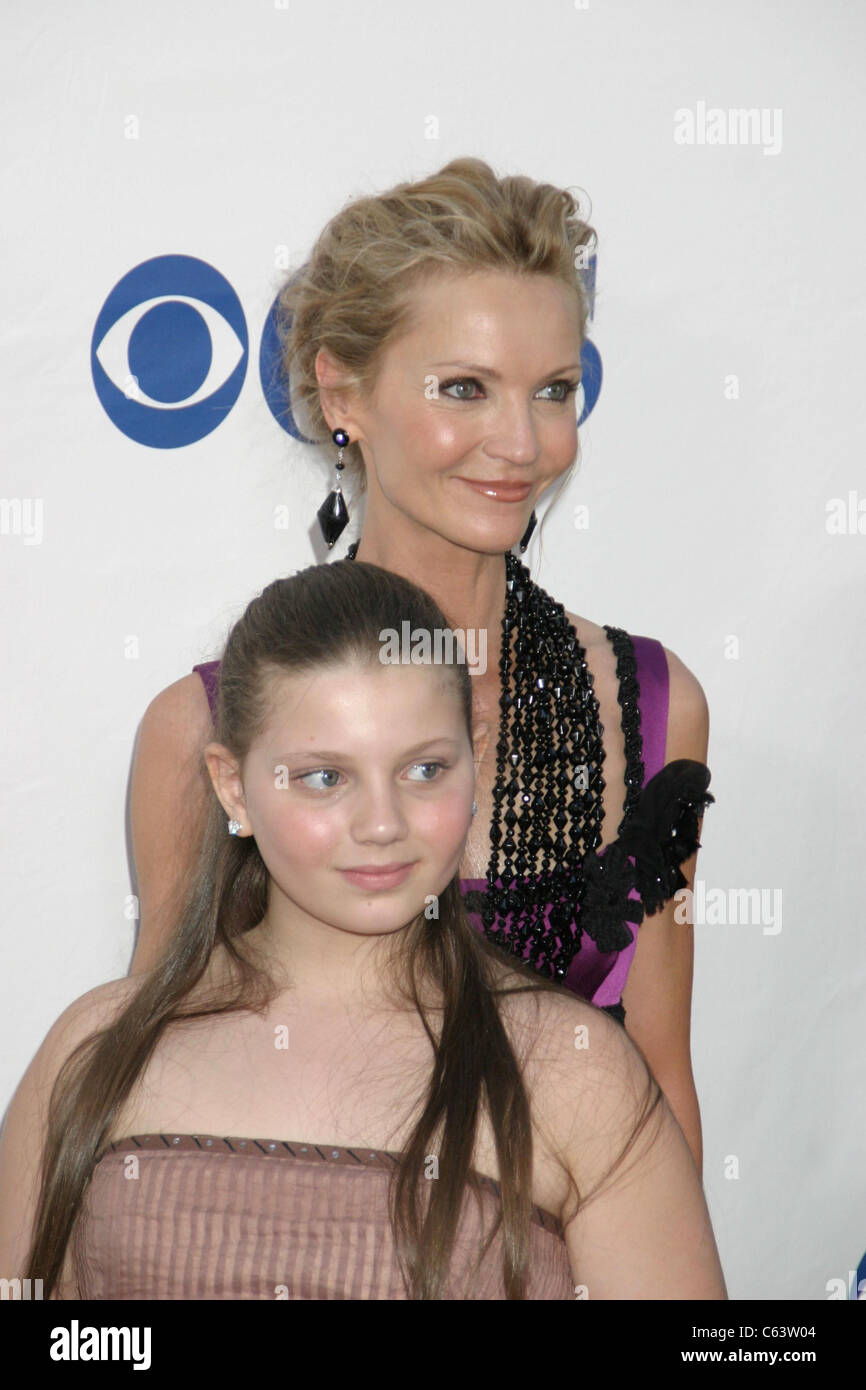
(420, 1115)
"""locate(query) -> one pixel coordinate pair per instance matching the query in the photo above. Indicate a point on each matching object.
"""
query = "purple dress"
(640, 870)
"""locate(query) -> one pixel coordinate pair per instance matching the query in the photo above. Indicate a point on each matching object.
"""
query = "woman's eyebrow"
(496, 376)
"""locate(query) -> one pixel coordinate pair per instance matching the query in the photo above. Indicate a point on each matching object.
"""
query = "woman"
(444, 1122)
(438, 327)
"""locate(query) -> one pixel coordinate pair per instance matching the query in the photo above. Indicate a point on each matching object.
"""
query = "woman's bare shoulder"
(592, 635)
(174, 729)
(169, 795)
(688, 711)
(600, 654)
(180, 710)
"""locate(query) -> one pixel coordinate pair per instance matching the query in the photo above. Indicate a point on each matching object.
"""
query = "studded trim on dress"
(303, 1152)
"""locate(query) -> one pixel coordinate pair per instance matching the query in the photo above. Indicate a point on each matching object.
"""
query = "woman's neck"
(468, 586)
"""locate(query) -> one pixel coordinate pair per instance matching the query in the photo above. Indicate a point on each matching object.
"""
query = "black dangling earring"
(334, 514)
(525, 538)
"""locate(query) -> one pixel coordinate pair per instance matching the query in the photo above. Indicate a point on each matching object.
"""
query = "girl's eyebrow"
(340, 755)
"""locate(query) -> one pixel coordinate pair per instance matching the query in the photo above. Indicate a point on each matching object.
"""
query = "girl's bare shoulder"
(586, 1079)
(26, 1119)
(552, 1024)
(552, 1017)
(98, 1008)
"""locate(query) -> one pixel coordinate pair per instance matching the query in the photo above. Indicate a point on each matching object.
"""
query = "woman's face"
(476, 391)
(358, 767)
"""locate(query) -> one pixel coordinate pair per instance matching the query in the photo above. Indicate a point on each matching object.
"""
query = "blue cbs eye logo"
(273, 377)
(590, 378)
(169, 351)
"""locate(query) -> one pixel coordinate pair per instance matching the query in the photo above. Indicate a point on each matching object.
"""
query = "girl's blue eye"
(568, 388)
(330, 772)
(320, 772)
(427, 779)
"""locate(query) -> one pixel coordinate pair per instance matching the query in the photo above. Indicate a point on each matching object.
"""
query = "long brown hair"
(320, 617)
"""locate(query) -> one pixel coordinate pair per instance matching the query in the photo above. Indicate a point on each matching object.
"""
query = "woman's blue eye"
(568, 388)
(459, 381)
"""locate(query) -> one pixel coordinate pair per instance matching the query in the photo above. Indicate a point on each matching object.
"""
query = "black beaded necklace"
(547, 805)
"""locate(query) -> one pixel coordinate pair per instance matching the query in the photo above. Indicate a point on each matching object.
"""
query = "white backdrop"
(730, 310)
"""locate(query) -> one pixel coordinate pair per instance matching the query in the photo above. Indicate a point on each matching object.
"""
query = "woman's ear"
(225, 776)
(337, 394)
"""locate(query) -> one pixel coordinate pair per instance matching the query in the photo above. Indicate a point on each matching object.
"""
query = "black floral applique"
(659, 835)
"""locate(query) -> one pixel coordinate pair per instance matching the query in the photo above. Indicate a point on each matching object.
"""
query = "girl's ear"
(226, 779)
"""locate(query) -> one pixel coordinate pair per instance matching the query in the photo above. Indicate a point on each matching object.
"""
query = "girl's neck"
(318, 971)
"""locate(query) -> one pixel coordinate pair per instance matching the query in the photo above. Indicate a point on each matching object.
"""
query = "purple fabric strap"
(654, 684)
(210, 676)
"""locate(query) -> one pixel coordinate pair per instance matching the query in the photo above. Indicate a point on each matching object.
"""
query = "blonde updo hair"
(353, 295)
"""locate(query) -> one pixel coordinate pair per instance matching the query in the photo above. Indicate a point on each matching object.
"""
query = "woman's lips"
(378, 878)
(500, 492)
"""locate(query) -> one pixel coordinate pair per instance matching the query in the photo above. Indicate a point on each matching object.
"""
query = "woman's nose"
(513, 435)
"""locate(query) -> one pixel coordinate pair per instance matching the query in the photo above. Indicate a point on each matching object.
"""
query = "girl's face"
(359, 768)
(481, 389)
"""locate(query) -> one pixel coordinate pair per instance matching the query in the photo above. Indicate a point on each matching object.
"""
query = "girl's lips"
(500, 492)
(377, 878)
